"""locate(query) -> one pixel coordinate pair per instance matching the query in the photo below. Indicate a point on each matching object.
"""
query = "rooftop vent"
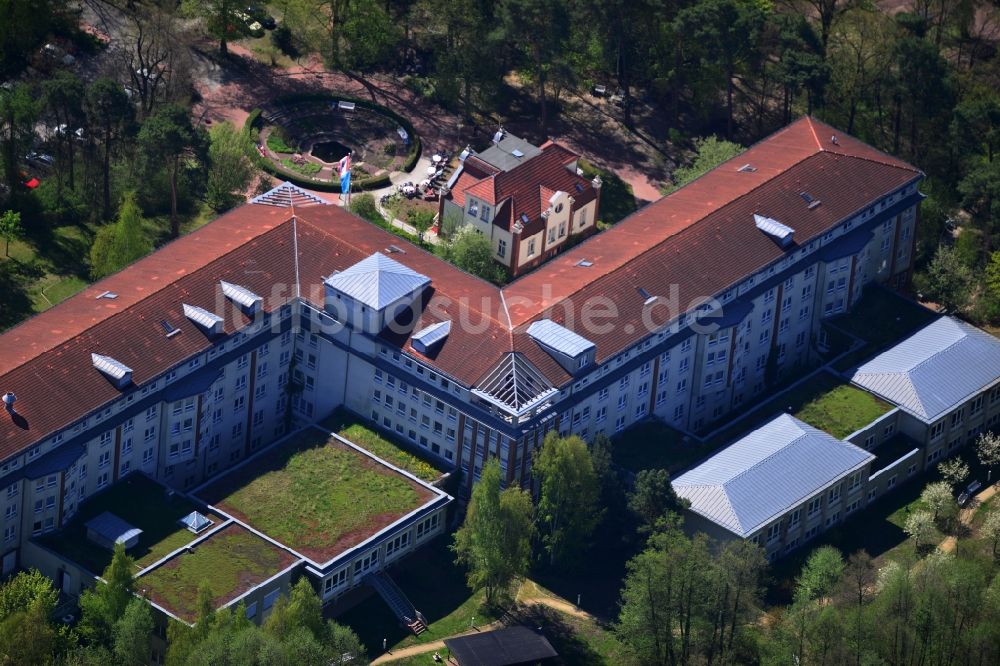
(747, 168)
(169, 328)
(428, 337)
(465, 153)
(783, 234)
(8, 401)
(650, 299)
(248, 301)
(498, 137)
(209, 322)
(110, 295)
(585, 263)
(395, 249)
(119, 373)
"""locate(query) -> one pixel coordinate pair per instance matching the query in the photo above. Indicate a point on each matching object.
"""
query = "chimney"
(8, 401)
(597, 182)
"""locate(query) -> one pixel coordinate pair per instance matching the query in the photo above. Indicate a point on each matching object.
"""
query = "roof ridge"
(746, 470)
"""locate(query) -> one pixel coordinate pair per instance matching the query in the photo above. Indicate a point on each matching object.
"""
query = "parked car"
(260, 15)
(40, 160)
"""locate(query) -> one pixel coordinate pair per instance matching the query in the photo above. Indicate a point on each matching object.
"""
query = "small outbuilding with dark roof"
(503, 647)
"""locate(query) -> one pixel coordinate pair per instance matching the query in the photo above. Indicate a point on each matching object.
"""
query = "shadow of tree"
(15, 303)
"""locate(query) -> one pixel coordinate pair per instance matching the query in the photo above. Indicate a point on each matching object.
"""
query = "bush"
(276, 142)
(284, 42)
(364, 206)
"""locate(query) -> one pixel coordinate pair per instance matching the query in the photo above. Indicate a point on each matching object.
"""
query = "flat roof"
(232, 560)
(317, 494)
(143, 504)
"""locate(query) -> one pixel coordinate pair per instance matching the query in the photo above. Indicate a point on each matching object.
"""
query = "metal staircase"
(397, 601)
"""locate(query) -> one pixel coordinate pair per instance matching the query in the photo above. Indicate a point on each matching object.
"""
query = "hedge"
(254, 120)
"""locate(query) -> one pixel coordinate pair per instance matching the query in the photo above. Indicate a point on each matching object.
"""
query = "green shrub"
(276, 142)
(306, 168)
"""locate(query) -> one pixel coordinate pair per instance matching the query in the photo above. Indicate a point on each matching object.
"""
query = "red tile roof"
(700, 238)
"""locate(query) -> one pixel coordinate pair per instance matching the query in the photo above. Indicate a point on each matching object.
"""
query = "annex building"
(199, 357)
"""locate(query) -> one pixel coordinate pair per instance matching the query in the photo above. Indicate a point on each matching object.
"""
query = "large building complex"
(199, 356)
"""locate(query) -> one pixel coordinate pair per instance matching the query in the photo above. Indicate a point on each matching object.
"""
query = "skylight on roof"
(646, 295)
(110, 295)
(524, 218)
(115, 370)
(747, 168)
(169, 328)
(246, 299)
(209, 321)
(579, 187)
(776, 230)
(517, 153)
(585, 263)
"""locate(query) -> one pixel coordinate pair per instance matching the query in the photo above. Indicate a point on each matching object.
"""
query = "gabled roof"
(501, 647)
(424, 339)
(208, 320)
(240, 295)
(766, 473)
(934, 370)
(112, 368)
(377, 281)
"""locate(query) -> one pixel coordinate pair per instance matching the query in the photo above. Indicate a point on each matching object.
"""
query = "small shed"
(107, 529)
(503, 647)
(196, 522)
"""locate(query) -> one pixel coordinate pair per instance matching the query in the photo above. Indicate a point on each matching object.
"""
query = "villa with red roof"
(530, 201)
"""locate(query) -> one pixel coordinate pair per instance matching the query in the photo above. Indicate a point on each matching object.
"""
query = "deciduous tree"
(231, 165)
(119, 244)
(10, 229)
(954, 470)
(167, 139)
(567, 507)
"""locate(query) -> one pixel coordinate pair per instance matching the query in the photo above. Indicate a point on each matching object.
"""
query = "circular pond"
(330, 152)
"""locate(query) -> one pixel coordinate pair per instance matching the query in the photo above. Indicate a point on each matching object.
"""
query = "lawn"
(655, 445)
(316, 495)
(144, 504)
(617, 198)
(305, 168)
(231, 561)
(841, 410)
(883, 318)
(351, 428)
(436, 587)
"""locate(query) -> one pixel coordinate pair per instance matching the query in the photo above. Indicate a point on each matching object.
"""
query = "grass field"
(231, 561)
(140, 502)
(841, 410)
(315, 495)
(351, 428)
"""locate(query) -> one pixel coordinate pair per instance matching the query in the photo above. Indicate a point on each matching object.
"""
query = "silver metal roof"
(556, 336)
(935, 369)
(288, 195)
(111, 367)
(771, 227)
(429, 336)
(111, 527)
(502, 155)
(514, 385)
(202, 317)
(240, 295)
(766, 473)
(377, 281)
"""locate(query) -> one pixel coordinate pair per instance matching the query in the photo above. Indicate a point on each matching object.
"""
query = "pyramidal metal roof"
(195, 521)
(288, 195)
(766, 473)
(112, 368)
(377, 281)
(934, 370)
(514, 385)
(556, 336)
(429, 336)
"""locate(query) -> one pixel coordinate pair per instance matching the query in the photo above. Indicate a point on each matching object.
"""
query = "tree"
(26, 637)
(108, 110)
(954, 470)
(471, 251)
(231, 165)
(167, 138)
(947, 281)
(132, 633)
(102, 607)
(26, 589)
(990, 529)
(819, 574)
(567, 505)
(18, 113)
(220, 16)
(939, 498)
(64, 95)
(119, 244)
(710, 153)
(494, 542)
(10, 229)
(652, 497)
(988, 450)
(540, 31)
(919, 526)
